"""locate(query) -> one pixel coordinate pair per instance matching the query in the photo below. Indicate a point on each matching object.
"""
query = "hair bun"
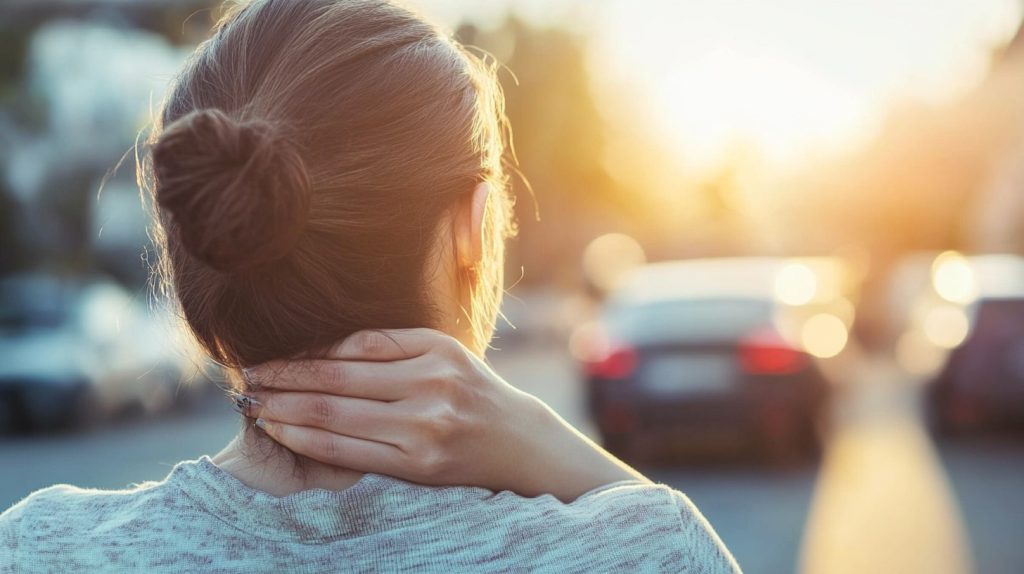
(237, 192)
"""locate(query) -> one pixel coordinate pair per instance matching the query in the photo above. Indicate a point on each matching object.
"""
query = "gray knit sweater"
(201, 519)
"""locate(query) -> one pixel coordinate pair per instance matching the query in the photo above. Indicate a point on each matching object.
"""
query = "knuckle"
(454, 385)
(326, 448)
(464, 399)
(443, 424)
(371, 343)
(451, 381)
(433, 464)
(303, 373)
(441, 381)
(450, 348)
(449, 421)
(432, 430)
(336, 375)
(320, 410)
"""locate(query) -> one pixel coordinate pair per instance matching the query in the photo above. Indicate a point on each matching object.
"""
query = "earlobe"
(469, 228)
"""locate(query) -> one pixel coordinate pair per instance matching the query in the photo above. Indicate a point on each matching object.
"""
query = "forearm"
(563, 462)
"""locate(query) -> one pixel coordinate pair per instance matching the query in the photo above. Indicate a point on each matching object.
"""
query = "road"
(881, 500)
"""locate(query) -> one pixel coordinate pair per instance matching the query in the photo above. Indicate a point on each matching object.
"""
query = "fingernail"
(245, 403)
(262, 425)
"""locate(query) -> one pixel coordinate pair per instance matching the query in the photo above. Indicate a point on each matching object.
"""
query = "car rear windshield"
(1000, 318)
(689, 321)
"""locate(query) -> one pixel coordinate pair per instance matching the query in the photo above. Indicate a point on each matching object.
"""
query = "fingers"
(385, 381)
(359, 418)
(389, 344)
(334, 449)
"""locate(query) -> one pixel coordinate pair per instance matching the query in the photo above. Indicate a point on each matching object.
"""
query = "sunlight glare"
(918, 355)
(796, 284)
(607, 259)
(824, 335)
(791, 79)
(946, 326)
(728, 99)
(953, 278)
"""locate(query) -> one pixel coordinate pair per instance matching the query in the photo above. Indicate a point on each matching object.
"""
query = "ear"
(469, 223)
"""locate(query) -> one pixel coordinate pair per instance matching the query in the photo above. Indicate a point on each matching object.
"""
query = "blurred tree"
(560, 141)
(560, 136)
(920, 184)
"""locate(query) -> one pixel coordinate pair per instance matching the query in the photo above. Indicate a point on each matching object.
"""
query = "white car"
(73, 351)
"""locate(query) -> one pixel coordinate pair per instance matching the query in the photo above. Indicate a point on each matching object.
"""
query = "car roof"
(708, 278)
(998, 275)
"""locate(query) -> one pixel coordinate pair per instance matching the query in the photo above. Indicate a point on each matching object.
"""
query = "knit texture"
(201, 519)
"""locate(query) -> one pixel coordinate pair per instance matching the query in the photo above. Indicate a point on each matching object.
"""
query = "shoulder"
(700, 537)
(631, 523)
(10, 535)
(33, 511)
(36, 517)
(67, 504)
(64, 524)
(684, 527)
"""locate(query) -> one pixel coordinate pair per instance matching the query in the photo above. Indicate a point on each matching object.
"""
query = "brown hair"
(303, 163)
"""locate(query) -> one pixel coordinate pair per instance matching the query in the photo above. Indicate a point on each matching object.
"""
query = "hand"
(417, 405)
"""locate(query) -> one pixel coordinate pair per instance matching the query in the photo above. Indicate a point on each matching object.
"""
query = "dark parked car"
(694, 350)
(982, 382)
(963, 331)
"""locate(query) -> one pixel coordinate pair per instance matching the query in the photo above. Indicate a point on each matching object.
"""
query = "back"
(201, 519)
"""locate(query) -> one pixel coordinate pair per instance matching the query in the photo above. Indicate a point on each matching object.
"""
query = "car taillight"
(618, 362)
(767, 353)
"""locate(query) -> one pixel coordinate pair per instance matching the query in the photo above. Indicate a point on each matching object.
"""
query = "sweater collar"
(374, 504)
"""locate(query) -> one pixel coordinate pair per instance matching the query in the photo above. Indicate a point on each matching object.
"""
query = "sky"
(786, 78)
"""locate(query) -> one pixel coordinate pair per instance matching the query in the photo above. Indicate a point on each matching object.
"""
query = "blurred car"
(715, 348)
(965, 333)
(537, 316)
(76, 351)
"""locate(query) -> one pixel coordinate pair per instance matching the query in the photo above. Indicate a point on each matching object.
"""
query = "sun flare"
(794, 79)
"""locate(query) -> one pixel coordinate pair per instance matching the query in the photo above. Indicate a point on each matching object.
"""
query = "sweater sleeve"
(698, 535)
(10, 533)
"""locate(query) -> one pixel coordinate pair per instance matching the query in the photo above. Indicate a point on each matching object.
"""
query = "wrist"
(567, 464)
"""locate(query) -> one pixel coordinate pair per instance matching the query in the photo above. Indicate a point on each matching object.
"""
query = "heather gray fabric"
(201, 519)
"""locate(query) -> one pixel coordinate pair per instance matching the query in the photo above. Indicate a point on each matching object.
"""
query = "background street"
(725, 211)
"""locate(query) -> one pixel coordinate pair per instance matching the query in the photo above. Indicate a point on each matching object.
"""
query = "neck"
(273, 470)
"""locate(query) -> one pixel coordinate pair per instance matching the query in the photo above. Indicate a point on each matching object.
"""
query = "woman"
(323, 168)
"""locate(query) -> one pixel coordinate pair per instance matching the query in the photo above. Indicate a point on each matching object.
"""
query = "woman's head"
(327, 166)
